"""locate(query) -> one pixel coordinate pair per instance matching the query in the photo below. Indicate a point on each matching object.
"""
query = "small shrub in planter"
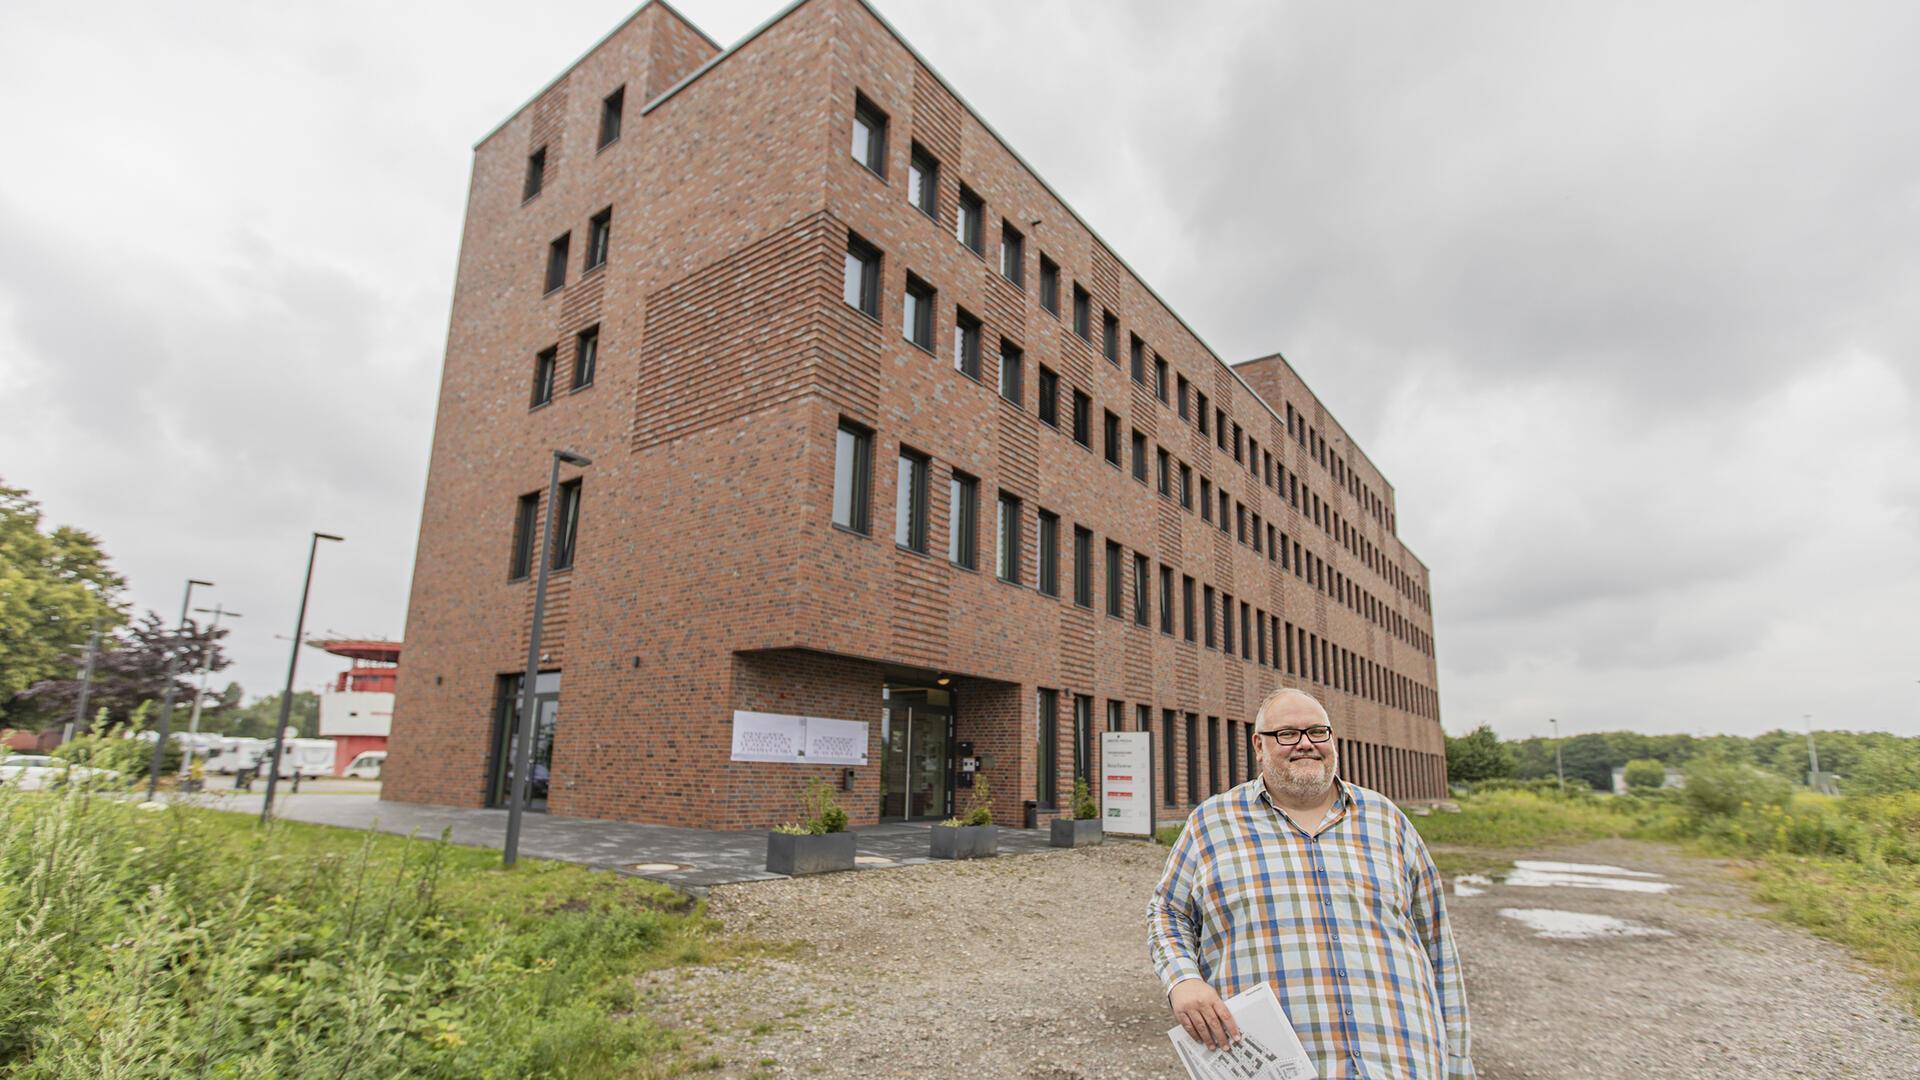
(820, 844)
(972, 835)
(1083, 828)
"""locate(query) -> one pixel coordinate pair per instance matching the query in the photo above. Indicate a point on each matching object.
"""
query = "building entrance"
(506, 727)
(916, 756)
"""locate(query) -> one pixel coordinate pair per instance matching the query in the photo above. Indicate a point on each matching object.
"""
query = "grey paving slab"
(691, 859)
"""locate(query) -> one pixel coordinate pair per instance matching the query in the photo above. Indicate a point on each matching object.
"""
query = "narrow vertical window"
(557, 261)
(1226, 622)
(526, 523)
(869, 136)
(1142, 591)
(599, 238)
(1082, 313)
(1049, 285)
(966, 224)
(852, 468)
(1137, 359)
(536, 174)
(1082, 736)
(1047, 577)
(1160, 379)
(1206, 500)
(1110, 337)
(1169, 775)
(1046, 759)
(1116, 572)
(966, 344)
(1048, 405)
(566, 525)
(963, 508)
(1137, 443)
(923, 182)
(611, 107)
(861, 287)
(1006, 558)
(1012, 374)
(1186, 607)
(916, 314)
(1111, 430)
(1013, 254)
(1186, 486)
(1200, 410)
(1083, 419)
(586, 357)
(1166, 600)
(1163, 472)
(544, 365)
(1180, 395)
(910, 503)
(1207, 613)
(1083, 566)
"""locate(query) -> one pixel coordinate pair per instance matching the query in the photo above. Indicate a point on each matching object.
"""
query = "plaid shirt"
(1349, 924)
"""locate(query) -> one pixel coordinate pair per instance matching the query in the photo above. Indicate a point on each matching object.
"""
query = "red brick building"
(881, 431)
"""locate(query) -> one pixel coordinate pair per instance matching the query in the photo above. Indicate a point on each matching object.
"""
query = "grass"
(187, 941)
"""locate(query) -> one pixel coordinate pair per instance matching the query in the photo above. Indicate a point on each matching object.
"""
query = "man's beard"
(1301, 779)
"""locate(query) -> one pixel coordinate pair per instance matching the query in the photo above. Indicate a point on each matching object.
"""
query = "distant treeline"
(1591, 758)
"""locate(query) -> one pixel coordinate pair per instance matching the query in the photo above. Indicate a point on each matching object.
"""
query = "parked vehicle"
(367, 766)
(308, 757)
(236, 754)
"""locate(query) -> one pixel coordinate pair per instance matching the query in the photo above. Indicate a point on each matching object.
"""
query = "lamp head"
(572, 458)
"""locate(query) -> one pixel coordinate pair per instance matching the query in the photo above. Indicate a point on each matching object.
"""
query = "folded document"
(1268, 1049)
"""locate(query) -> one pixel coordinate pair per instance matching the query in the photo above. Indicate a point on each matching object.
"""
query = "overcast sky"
(1624, 299)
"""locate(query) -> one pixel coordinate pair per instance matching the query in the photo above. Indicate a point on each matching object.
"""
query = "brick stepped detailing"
(919, 609)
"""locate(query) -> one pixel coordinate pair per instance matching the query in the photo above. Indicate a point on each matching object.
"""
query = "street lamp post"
(86, 686)
(1559, 768)
(206, 665)
(523, 744)
(166, 696)
(293, 661)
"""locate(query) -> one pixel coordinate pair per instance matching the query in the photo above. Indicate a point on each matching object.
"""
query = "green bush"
(979, 804)
(1886, 770)
(1718, 788)
(1085, 808)
(1644, 773)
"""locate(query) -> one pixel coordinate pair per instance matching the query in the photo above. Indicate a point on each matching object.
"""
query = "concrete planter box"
(796, 855)
(1071, 832)
(965, 842)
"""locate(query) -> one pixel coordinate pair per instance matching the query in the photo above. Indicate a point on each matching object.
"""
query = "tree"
(1479, 755)
(1645, 773)
(262, 718)
(1886, 769)
(131, 669)
(52, 587)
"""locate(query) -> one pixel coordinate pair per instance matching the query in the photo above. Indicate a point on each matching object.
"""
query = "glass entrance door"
(506, 727)
(916, 774)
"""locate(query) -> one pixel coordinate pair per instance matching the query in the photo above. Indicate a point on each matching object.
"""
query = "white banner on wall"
(1126, 783)
(806, 740)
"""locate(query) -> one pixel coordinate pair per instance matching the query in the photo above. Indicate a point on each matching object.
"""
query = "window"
(1083, 566)
(1012, 374)
(1160, 379)
(923, 182)
(966, 225)
(1226, 622)
(1180, 397)
(910, 503)
(963, 505)
(1169, 779)
(1246, 643)
(1220, 427)
(1213, 755)
(1200, 410)
(557, 261)
(544, 364)
(610, 109)
(1142, 591)
(861, 288)
(1115, 588)
(1138, 445)
(1166, 599)
(567, 525)
(1206, 609)
(1239, 444)
(1112, 432)
(1193, 757)
(1013, 254)
(526, 518)
(1006, 558)
(1110, 337)
(586, 357)
(1049, 403)
(1163, 472)
(1048, 581)
(1082, 313)
(599, 237)
(1082, 419)
(536, 174)
(916, 313)
(1186, 607)
(1233, 752)
(1206, 499)
(1049, 285)
(1186, 486)
(1046, 760)
(966, 344)
(1223, 523)
(1138, 359)
(1116, 715)
(869, 136)
(852, 469)
(1082, 736)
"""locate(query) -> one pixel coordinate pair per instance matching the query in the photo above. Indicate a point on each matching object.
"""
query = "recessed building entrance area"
(916, 752)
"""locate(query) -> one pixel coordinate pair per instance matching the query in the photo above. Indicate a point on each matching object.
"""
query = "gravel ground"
(1036, 967)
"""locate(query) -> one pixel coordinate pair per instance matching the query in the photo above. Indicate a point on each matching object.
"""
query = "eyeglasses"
(1290, 736)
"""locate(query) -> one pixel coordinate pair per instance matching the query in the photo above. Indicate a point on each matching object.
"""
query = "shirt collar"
(1342, 802)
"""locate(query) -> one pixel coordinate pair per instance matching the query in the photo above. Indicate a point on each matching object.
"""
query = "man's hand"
(1199, 1009)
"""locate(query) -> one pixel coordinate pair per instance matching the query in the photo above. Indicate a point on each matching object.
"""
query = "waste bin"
(1030, 814)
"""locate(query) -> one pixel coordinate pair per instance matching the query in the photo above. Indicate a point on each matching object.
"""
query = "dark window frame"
(1013, 243)
(917, 302)
(1083, 567)
(924, 169)
(868, 259)
(865, 112)
(1049, 285)
(913, 505)
(536, 178)
(968, 221)
(966, 344)
(963, 524)
(1013, 387)
(558, 252)
(1046, 577)
(546, 374)
(566, 533)
(586, 357)
(611, 109)
(599, 240)
(1047, 397)
(859, 479)
(526, 523)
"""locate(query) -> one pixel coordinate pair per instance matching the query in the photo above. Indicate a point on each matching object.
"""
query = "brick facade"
(708, 574)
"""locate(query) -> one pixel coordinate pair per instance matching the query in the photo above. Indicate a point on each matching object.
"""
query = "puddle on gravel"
(1538, 874)
(1581, 868)
(1471, 885)
(1578, 925)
